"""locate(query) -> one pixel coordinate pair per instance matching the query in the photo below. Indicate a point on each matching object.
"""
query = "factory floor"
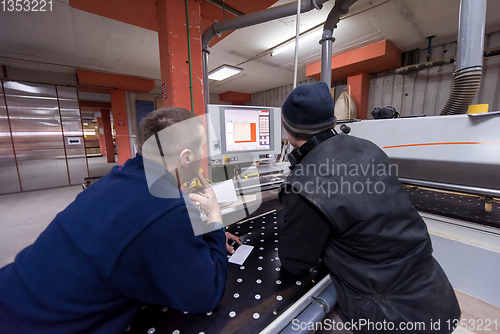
(25, 215)
(98, 166)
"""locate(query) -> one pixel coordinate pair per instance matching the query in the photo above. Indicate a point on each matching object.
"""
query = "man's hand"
(205, 195)
(232, 237)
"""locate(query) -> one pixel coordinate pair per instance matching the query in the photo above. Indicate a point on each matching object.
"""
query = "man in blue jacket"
(117, 246)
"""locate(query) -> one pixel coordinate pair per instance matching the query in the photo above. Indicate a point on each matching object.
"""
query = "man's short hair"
(162, 118)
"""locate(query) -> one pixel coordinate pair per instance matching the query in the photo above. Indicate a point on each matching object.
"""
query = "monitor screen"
(247, 129)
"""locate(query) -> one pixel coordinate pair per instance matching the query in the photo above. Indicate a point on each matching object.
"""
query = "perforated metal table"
(256, 293)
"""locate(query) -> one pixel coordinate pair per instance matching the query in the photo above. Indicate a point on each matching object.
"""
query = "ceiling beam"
(108, 80)
(373, 58)
(142, 13)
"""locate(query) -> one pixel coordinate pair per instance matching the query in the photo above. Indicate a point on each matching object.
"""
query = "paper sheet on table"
(224, 191)
(241, 254)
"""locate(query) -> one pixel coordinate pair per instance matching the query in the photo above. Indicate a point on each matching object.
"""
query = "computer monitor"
(243, 134)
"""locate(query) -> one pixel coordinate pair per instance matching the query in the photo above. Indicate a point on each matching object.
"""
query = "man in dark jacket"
(343, 203)
(117, 246)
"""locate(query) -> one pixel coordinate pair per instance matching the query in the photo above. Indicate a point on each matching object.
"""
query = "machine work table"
(257, 292)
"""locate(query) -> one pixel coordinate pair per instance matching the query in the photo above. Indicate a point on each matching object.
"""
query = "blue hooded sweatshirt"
(115, 247)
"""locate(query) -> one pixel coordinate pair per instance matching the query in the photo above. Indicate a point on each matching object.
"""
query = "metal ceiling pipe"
(341, 7)
(430, 64)
(246, 21)
(469, 56)
(421, 66)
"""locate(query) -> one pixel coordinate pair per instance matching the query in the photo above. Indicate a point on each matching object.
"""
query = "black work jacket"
(344, 203)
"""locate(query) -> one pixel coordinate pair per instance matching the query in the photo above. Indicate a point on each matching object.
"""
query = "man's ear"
(186, 157)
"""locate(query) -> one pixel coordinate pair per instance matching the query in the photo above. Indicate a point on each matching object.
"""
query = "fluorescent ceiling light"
(224, 72)
(291, 44)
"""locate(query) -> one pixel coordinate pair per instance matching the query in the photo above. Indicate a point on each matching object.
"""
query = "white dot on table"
(164, 309)
(278, 282)
(279, 298)
(259, 268)
(262, 233)
(232, 314)
(261, 257)
(209, 313)
(275, 240)
(176, 332)
(278, 269)
(258, 281)
(256, 316)
(239, 280)
(261, 248)
(263, 227)
(143, 307)
(298, 282)
(185, 312)
(249, 233)
(151, 330)
(276, 249)
(242, 267)
(236, 295)
(257, 296)
(275, 227)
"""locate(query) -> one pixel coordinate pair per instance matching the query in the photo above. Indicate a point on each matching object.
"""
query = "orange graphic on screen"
(245, 132)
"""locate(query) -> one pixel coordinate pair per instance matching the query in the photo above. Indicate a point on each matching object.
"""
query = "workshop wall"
(422, 92)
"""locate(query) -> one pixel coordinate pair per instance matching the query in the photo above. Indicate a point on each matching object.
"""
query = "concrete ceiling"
(68, 38)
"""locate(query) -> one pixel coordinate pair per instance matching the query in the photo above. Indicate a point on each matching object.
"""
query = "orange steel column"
(100, 133)
(174, 55)
(122, 138)
(108, 136)
(360, 85)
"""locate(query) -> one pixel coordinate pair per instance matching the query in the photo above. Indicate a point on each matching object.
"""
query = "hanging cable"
(224, 9)
(297, 32)
(189, 52)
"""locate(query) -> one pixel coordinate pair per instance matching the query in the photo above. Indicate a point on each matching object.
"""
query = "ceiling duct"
(341, 7)
(469, 64)
(246, 21)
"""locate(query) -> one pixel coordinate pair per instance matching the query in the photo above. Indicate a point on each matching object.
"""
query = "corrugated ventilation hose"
(465, 87)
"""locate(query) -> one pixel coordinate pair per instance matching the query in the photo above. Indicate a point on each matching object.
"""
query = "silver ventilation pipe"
(469, 56)
(246, 21)
(341, 7)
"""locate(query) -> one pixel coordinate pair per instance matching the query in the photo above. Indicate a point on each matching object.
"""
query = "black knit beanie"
(308, 110)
